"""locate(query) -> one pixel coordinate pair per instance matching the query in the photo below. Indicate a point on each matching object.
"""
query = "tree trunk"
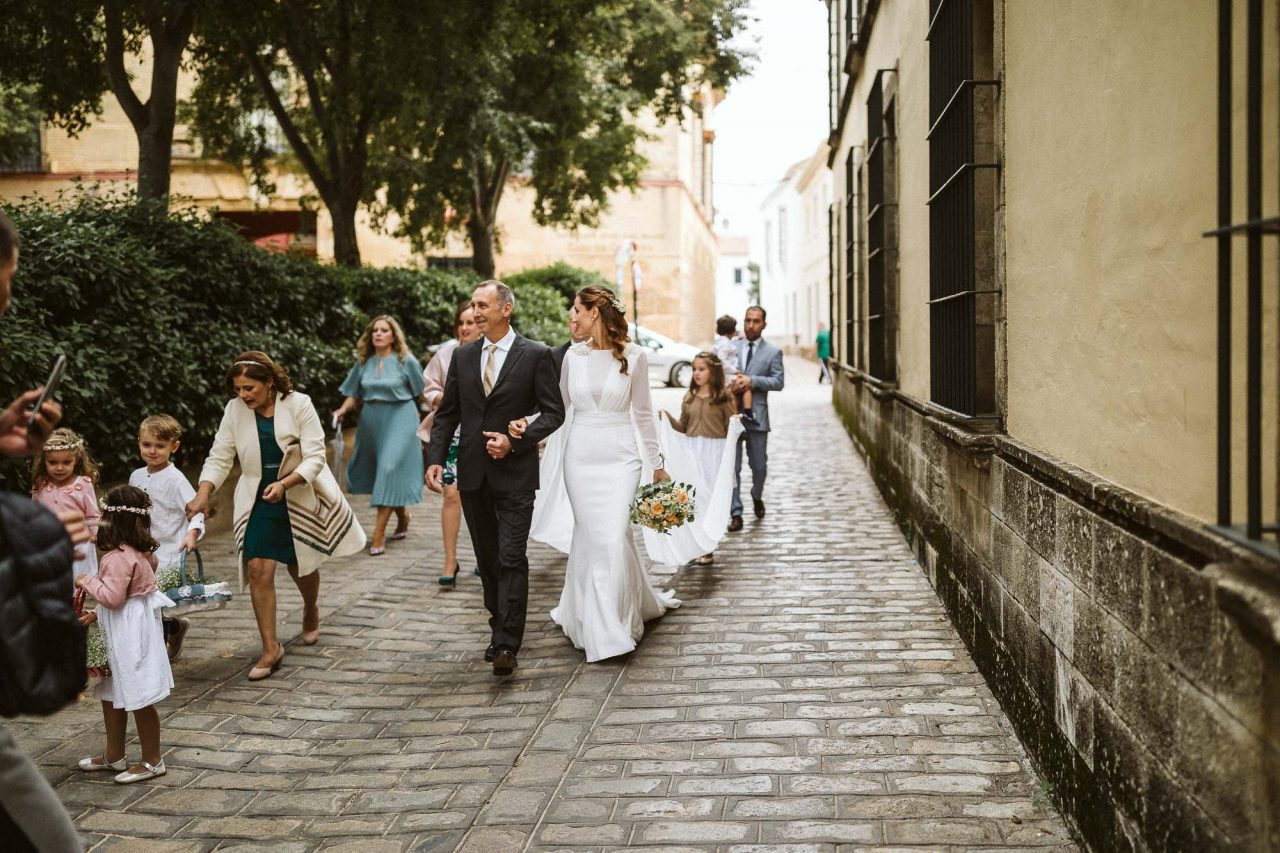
(155, 156)
(480, 234)
(153, 121)
(346, 248)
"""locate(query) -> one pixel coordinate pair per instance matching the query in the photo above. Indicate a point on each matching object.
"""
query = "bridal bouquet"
(663, 506)
(96, 647)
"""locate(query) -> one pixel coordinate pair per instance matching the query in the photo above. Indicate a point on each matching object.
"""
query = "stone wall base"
(1137, 654)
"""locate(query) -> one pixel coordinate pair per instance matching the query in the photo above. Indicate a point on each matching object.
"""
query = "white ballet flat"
(151, 772)
(89, 765)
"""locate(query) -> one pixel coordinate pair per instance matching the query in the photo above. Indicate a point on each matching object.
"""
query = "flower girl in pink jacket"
(128, 612)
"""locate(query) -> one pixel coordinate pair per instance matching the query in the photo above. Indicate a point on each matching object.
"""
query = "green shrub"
(424, 302)
(151, 305)
(564, 278)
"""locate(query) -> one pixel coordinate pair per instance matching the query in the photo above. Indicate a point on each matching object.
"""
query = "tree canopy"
(322, 77)
(548, 91)
(73, 51)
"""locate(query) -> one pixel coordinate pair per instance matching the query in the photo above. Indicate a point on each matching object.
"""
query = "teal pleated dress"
(268, 535)
(387, 462)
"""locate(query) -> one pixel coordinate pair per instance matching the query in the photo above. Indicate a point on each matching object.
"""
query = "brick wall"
(1137, 655)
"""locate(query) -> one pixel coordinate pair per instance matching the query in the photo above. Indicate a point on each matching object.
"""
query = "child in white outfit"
(724, 347)
(169, 490)
(128, 611)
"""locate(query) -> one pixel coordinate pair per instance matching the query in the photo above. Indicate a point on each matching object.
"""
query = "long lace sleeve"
(642, 411)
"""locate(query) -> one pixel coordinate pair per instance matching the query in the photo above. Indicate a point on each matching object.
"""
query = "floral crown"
(136, 510)
(52, 447)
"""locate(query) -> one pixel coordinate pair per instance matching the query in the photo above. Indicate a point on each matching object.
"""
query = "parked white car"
(670, 362)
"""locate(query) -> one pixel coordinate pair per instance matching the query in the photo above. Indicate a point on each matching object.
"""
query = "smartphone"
(50, 386)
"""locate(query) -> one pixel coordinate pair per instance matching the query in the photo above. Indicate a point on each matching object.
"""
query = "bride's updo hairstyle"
(612, 316)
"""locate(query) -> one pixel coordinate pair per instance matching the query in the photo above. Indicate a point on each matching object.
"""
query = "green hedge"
(149, 305)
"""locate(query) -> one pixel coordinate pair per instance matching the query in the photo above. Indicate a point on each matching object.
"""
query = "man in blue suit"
(760, 370)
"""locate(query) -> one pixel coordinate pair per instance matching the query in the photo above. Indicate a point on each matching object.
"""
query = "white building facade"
(734, 277)
(795, 283)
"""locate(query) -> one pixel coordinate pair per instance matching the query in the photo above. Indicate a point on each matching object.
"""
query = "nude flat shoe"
(258, 673)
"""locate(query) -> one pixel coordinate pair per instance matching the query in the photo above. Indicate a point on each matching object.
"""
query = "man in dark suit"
(491, 382)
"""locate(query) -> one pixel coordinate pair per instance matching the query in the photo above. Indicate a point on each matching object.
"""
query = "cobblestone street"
(809, 695)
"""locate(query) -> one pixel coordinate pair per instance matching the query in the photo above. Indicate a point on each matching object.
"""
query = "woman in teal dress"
(387, 462)
(268, 535)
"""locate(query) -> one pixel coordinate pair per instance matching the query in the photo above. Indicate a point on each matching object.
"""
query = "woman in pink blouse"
(465, 331)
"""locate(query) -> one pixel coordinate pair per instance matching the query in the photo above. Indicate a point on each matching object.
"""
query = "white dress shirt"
(500, 354)
(169, 491)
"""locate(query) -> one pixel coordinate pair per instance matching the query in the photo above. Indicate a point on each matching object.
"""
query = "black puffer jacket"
(42, 644)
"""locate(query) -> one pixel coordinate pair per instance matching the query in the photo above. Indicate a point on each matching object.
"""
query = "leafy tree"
(326, 76)
(73, 51)
(547, 90)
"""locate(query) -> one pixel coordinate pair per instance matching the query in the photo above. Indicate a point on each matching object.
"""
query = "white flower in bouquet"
(96, 645)
(168, 578)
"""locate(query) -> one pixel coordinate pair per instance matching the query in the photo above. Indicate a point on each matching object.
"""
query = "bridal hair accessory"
(619, 306)
(136, 510)
(57, 448)
(258, 363)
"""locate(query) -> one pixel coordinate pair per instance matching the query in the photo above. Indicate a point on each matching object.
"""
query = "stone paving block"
(259, 829)
(756, 784)
(783, 808)
(683, 808)
(697, 831)
(836, 832)
(191, 802)
(943, 783)
(617, 787)
(592, 835)
(494, 840)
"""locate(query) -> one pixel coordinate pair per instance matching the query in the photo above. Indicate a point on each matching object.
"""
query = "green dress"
(268, 535)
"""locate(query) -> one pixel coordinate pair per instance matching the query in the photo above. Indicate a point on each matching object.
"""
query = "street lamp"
(628, 255)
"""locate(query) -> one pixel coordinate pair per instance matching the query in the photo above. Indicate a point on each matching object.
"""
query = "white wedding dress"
(590, 471)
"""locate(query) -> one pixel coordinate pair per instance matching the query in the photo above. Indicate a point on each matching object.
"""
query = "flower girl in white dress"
(590, 472)
(128, 611)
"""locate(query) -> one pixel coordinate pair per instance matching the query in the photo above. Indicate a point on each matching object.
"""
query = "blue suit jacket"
(765, 371)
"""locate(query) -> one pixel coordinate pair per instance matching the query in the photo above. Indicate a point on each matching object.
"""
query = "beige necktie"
(489, 368)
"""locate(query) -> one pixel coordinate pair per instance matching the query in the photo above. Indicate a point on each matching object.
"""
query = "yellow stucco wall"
(1110, 178)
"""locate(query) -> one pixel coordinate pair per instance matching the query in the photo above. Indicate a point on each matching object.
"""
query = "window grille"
(30, 160)
(881, 219)
(832, 259)
(1254, 533)
(962, 289)
(851, 347)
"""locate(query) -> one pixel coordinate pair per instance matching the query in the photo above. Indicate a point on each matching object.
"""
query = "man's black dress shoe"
(735, 524)
(489, 653)
(759, 507)
(504, 662)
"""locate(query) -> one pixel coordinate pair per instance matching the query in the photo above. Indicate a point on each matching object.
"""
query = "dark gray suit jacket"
(528, 382)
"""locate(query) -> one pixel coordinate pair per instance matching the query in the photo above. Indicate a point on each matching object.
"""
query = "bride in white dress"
(590, 471)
